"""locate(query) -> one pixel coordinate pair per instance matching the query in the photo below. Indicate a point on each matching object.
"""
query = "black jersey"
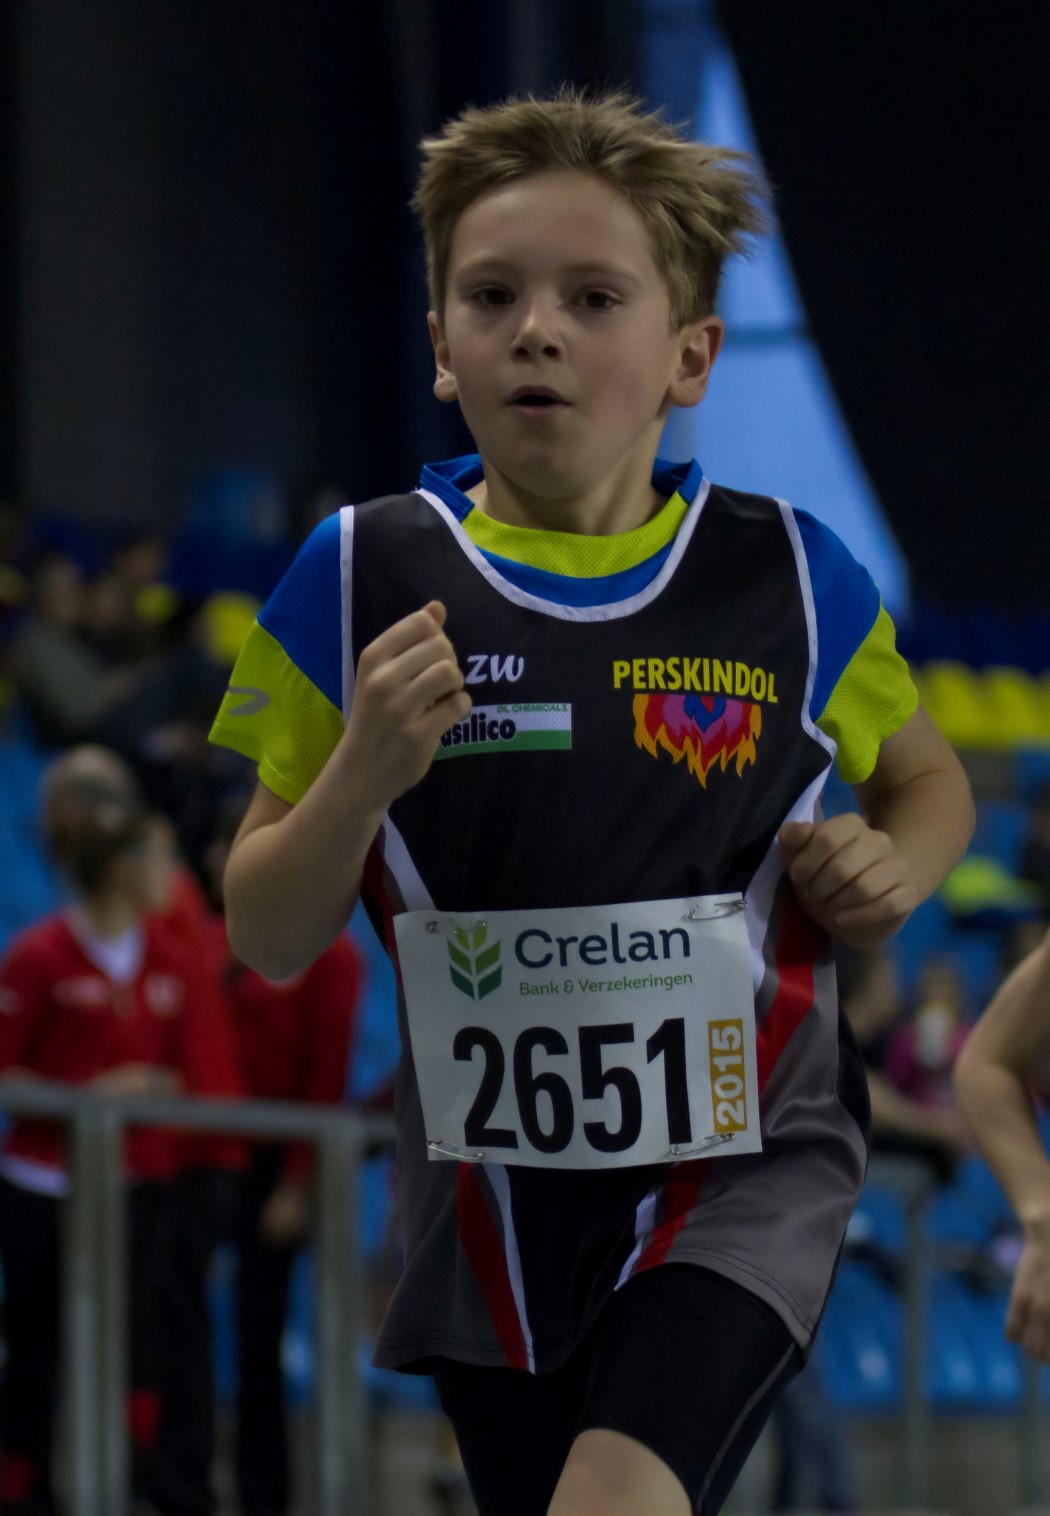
(641, 750)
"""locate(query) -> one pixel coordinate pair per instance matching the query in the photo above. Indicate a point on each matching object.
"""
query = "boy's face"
(552, 287)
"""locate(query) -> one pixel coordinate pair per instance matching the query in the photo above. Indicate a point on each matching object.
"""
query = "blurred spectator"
(97, 995)
(200, 1203)
(922, 1052)
(139, 562)
(900, 1124)
(294, 1040)
(68, 688)
(89, 668)
(80, 688)
(111, 625)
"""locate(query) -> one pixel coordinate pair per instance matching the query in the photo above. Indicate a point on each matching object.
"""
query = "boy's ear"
(444, 379)
(699, 345)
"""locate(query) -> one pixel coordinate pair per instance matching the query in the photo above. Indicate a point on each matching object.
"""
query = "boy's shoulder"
(745, 505)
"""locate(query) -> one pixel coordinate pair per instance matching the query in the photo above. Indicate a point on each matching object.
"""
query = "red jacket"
(213, 1066)
(294, 1035)
(61, 1017)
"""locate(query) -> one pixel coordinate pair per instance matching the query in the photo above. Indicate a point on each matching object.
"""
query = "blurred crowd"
(110, 653)
(130, 987)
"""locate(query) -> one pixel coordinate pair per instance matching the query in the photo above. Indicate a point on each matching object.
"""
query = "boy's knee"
(610, 1474)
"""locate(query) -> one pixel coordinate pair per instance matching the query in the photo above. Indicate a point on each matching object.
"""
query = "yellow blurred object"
(13, 588)
(999, 709)
(228, 618)
(980, 883)
(157, 603)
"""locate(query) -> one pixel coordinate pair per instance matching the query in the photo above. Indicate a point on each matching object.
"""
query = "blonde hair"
(698, 203)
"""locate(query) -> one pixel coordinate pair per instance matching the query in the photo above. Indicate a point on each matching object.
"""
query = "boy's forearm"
(291, 887)
(998, 1107)
(929, 820)
(992, 1074)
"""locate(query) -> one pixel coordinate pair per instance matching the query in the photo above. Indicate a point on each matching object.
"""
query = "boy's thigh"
(514, 1430)
(688, 1364)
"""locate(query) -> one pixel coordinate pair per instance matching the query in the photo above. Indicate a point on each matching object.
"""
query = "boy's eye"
(491, 295)
(596, 300)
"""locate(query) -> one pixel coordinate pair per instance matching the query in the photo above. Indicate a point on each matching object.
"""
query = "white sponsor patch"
(511, 727)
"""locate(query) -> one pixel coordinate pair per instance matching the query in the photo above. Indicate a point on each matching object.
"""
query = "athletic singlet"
(645, 748)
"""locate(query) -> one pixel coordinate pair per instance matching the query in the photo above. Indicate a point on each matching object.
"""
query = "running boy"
(1004, 1056)
(630, 1136)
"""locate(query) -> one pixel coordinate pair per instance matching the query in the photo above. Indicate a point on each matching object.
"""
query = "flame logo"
(702, 729)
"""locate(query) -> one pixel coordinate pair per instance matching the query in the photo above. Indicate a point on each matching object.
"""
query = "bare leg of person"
(609, 1474)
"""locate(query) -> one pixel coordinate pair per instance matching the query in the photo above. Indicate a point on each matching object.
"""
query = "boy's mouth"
(536, 397)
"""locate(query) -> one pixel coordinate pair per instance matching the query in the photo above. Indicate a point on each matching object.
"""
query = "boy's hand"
(848, 878)
(1028, 1315)
(284, 1218)
(409, 692)
(136, 1079)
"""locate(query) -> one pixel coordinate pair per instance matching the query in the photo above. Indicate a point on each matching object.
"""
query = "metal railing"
(95, 1282)
(913, 1184)
(95, 1291)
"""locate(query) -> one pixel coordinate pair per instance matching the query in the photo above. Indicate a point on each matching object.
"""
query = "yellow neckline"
(572, 554)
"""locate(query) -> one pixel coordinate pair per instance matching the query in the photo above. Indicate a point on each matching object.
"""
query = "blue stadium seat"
(859, 1340)
(1000, 831)
(28, 887)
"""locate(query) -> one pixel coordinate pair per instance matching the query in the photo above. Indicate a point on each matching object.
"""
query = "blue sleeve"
(846, 602)
(304, 613)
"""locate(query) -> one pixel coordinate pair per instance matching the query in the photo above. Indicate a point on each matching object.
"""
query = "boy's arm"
(992, 1074)
(860, 877)
(295, 871)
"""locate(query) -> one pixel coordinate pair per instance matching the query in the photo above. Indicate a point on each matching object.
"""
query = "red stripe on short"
(680, 1195)
(19, 1477)
(144, 1418)
(800, 942)
(374, 886)
(484, 1247)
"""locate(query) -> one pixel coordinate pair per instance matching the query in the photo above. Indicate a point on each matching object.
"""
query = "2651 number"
(554, 1135)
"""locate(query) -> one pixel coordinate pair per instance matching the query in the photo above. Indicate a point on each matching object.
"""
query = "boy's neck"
(619, 504)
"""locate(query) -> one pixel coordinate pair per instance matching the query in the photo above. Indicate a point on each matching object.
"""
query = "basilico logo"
(474, 962)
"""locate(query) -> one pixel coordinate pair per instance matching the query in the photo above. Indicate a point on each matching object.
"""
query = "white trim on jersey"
(644, 1220)
(346, 598)
(416, 897)
(806, 585)
(761, 892)
(414, 893)
(613, 612)
(496, 1174)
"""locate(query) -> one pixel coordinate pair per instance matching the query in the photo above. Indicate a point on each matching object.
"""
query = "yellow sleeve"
(274, 714)
(873, 697)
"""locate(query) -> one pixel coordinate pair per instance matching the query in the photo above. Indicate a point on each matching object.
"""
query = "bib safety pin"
(699, 912)
(445, 926)
(452, 1151)
(678, 1150)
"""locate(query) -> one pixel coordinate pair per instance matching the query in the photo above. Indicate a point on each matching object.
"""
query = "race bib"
(595, 1037)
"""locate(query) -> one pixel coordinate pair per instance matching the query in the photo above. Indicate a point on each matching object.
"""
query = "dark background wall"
(213, 266)
(164, 299)
(906, 143)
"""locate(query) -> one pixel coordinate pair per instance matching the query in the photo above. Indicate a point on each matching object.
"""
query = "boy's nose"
(537, 333)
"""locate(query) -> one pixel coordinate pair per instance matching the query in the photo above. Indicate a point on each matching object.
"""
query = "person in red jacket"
(293, 1039)
(201, 1202)
(99, 996)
